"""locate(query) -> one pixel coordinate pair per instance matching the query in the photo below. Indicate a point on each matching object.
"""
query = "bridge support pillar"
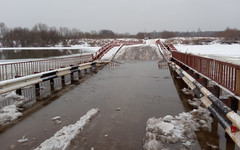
(52, 85)
(19, 91)
(81, 74)
(37, 90)
(234, 104)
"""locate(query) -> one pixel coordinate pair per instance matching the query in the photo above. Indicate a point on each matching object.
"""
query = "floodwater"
(139, 89)
(126, 94)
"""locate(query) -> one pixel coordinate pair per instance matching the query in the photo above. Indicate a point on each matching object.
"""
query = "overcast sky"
(123, 15)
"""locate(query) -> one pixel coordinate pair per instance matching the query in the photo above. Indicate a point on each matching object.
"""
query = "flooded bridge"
(136, 85)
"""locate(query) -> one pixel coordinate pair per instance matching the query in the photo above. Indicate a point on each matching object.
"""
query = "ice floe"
(61, 139)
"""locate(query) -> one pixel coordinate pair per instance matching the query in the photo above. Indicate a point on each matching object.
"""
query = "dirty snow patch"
(62, 138)
(178, 130)
(9, 114)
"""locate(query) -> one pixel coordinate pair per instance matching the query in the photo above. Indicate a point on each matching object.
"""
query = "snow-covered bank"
(176, 132)
(10, 113)
(223, 52)
(212, 49)
(63, 137)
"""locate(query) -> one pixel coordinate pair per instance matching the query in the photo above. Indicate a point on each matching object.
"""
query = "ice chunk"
(63, 137)
(8, 114)
(168, 118)
(162, 131)
(23, 140)
(56, 118)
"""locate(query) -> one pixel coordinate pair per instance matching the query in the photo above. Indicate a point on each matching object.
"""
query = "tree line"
(43, 35)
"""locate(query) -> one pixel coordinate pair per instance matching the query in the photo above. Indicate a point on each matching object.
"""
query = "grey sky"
(123, 15)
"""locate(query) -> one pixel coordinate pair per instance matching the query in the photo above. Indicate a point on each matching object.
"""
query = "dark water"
(140, 89)
(23, 54)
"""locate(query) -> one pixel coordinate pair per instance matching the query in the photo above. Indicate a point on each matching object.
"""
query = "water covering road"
(139, 89)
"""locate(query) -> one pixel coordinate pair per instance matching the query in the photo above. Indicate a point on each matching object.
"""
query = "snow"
(11, 112)
(178, 131)
(223, 52)
(62, 138)
(23, 140)
(212, 49)
(56, 118)
(110, 54)
(187, 91)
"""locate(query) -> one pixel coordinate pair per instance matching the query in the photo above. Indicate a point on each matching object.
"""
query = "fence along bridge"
(50, 73)
(196, 71)
(199, 73)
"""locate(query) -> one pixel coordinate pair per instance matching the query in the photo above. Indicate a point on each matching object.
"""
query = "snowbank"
(63, 137)
(11, 112)
(176, 132)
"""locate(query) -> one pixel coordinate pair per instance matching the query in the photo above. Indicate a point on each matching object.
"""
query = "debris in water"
(57, 119)
(187, 91)
(195, 102)
(106, 135)
(23, 140)
(118, 109)
(212, 146)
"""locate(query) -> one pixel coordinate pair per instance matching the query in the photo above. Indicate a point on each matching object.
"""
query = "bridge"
(208, 78)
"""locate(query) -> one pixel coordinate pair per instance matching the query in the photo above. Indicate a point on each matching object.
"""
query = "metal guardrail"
(19, 69)
(225, 74)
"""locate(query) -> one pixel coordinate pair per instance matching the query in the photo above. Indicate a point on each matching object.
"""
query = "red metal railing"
(225, 74)
(103, 50)
(18, 69)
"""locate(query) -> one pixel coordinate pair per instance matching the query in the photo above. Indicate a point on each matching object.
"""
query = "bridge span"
(132, 88)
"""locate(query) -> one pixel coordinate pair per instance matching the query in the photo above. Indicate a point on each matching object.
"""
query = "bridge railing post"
(237, 81)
